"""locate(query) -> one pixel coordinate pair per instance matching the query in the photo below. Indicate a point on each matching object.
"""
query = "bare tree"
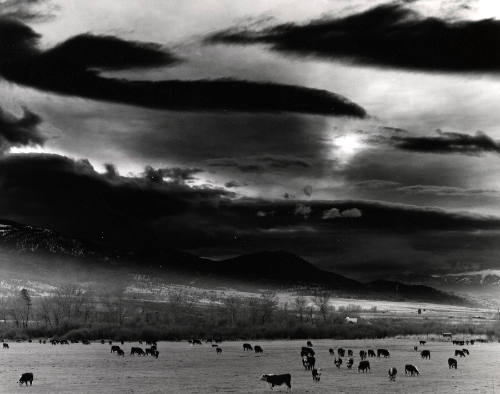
(322, 301)
(300, 306)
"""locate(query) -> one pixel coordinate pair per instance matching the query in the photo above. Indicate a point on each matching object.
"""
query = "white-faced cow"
(309, 344)
(331, 351)
(258, 349)
(316, 374)
(383, 353)
(459, 353)
(338, 362)
(411, 369)
(247, 346)
(392, 374)
(25, 378)
(466, 351)
(362, 355)
(350, 363)
(277, 380)
(452, 363)
(115, 348)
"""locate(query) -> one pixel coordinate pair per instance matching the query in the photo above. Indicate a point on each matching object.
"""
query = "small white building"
(351, 320)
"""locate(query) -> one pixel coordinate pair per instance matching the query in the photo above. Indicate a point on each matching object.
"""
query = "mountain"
(44, 251)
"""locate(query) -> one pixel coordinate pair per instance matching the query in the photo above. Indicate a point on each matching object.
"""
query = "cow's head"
(264, 377)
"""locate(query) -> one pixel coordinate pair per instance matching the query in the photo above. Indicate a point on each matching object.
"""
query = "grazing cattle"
(64, 342)
(138, 351)
(392, 374)
(338, 362)
(258, 349)
(215, 345)
(415, 348)
(371, 353)
(309, 344)
(341, 352)
(156, 353)
(472, 341)
(422, 343)
(306, 351)
(466, 351)
(115, 348)
(111, 342)
(218, 350)
(25, 378)
(247, 346)
(102, 342)
(122, 342)
(425, 354)
(5, 345)
(383, 352)
(316, 374)
(452, 363)
(350, 353)
(193, 342)
(459, 353)
(331, 351)
(411, 369)
(278, 380)
(350, 363)
(87, 342)
(150, 352)
(364, 366)
(308, 362)
(362, 355)
(120, 352)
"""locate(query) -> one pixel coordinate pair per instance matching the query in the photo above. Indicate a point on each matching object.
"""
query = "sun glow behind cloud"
(346, 146)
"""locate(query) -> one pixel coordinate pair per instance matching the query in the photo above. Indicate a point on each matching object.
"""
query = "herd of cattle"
(307, 355)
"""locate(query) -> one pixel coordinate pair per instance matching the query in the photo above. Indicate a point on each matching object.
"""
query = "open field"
(182, 368)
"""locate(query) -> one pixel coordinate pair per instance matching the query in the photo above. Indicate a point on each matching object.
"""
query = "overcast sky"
(363, 135)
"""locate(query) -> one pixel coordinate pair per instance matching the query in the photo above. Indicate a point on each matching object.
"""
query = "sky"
(362, 135)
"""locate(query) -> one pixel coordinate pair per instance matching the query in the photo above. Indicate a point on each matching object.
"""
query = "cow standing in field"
(120, 352)
(411, 369)
(308, 362)
(466, 351)
(362, 355)
(115, 348)
(277, 380)
(246, 346)
(452, 363)
(5, 345)
(383, 353)
(341, 352)
(422, 343)
(218, 350)
(425, 354)
(316, 374)
(258, 349)
(392, 374)
(306, 351)
(364, 366)
(309, 344)
(350, 363)
(459, 353)
(371, 353)
(338, 362)
(25, 378)
(331, 351)
(415, 348)
(138, 351)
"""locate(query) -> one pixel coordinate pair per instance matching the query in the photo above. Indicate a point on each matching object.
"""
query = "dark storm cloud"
(20, 131)
(388, 35)
(448, 142)
(70, 68)
(261, 164)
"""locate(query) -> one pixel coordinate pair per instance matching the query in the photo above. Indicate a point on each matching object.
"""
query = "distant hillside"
(268, 268)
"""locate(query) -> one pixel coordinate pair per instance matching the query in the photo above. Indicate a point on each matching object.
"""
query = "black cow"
(392, 374)
(350, 353)
(316, 374)
(362, 355)
(338, 362)
(214, 345)
(383, 352)
(425, 354)
(25, 378)
(364, 366)
(306, 351)
(150, 351)
(111, 342)
(350, 363)
(341, 352)
(415, 348)
(422, 343)
(459, 353)
(87, 342)
(102, 341)
(309, 344)
(452, 363)
(331, 351)
(138, 351)
(120, 352)
(472, 341)
(371, 353)
(466, 351)
(258, 349)
(5, 345)
(115, 348)
(218, 350)
(278, 380)
(411, 369)
(247, 346)
(308, 362)
(193, 342)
